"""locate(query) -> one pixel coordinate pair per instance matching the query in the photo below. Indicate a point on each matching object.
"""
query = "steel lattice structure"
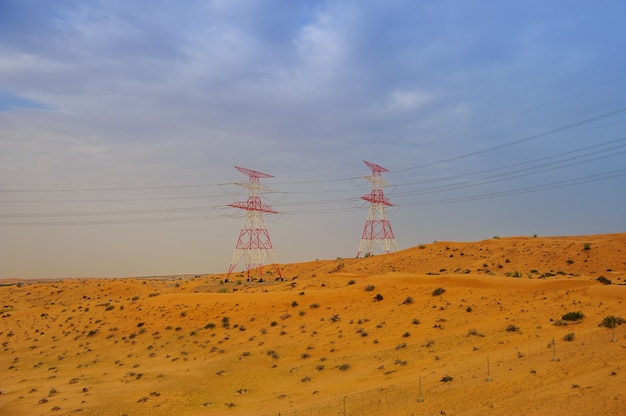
(254, 243)
(377, 227)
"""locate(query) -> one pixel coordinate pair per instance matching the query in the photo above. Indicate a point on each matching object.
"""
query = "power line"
(561, 129)
(536, 188)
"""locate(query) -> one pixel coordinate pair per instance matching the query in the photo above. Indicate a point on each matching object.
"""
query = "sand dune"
(342, 336)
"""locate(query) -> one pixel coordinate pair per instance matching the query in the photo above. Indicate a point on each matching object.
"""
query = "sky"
(121, 124)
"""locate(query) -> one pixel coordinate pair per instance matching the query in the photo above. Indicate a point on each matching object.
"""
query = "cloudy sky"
(121, 123)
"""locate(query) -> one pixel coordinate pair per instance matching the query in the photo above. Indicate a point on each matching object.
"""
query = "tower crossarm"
(254, 204)
(375, 168)
(377, 197)
(253, 174)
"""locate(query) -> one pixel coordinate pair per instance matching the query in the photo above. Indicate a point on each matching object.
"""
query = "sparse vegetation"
(612, 321)
(569, 337)
(66, 340)
(343, 367)
(573, 316)
(439, 291)
(512, 328)
(474, 332)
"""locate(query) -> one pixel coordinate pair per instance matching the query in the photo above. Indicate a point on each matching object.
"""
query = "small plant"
(586, 246)
(512, 328)
(447, 378)
(573, 316)
(611, 321)
(343, 367)
(378, 297)
(474, 332)
(468, 309)
(438, 291)
(569, 337)
(351, 282)
(408, 301)
(294, 304)
(415, 321)
(604, 280)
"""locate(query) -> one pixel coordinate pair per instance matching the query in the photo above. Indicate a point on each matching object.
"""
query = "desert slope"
(343, 336)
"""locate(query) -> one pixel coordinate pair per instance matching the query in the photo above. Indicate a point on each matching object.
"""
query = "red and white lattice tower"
(377, 227)
(254, 242)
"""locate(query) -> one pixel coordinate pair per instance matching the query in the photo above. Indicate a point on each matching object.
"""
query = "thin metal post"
(420, 399)
(613, 339)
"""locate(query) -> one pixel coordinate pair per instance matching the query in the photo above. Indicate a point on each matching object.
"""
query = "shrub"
(343, 367)
(474, 332)
(586, 246)
(569, 337)
(408, 301)
(512, 328)
(573, 316)
(604, 280)
(610, 321)
(438, 291)
(378, 297)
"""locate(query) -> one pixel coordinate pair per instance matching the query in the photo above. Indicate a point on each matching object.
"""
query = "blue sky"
(120, 124)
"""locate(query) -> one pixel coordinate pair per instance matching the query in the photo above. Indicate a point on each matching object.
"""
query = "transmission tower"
(254, 242)
(377, 227)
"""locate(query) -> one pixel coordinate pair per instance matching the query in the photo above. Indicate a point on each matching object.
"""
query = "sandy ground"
(342, 336)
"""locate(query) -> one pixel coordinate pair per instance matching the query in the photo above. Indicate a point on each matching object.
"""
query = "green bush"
(438, 291)
(512, 328)
(569, 337)
(573, 316)
(611, 321)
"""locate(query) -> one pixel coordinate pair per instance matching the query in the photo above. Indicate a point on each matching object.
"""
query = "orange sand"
(319, 343)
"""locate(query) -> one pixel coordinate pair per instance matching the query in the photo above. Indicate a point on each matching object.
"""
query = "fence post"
(554, 358)
(420, 399)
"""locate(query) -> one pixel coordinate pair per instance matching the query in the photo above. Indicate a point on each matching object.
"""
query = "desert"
(528, 325)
